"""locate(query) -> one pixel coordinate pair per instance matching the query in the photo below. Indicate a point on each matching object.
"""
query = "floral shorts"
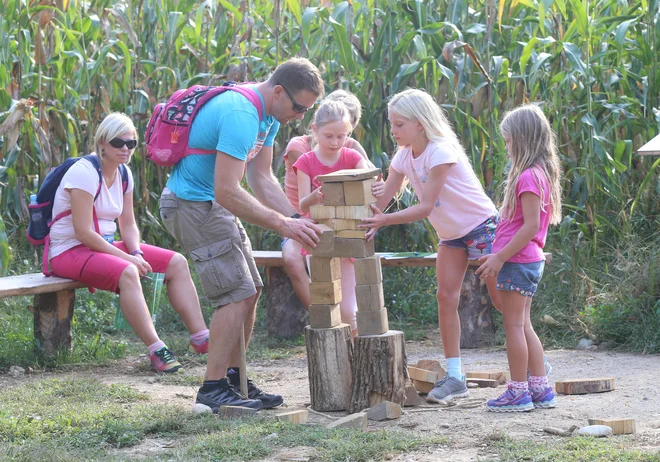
(477, 242)
(523, 278)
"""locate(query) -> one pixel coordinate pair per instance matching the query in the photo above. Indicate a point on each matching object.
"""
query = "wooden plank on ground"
(33, 284)
(296, 417)
(618, 426)
(422, 375)
(500, 376)
(483, 383)
(584, 386)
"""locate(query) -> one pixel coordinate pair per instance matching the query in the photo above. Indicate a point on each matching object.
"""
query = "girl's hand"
(142, 266)
(318, 196)
(378, 220)
(378, 188)
(490, 266)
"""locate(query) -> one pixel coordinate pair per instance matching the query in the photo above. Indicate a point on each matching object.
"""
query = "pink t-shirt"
(462, 205)
(109, 205)
(310, 164)
(534, 181)
(299, 144)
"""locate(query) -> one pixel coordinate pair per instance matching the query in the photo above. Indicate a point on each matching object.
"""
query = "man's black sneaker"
(226, 395)
(268, 400)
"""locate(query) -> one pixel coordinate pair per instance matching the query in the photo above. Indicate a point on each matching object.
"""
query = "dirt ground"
(636, 395)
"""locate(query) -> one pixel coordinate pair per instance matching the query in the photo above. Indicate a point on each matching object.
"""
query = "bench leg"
(53, 313)
(476, 312)
(286, 315)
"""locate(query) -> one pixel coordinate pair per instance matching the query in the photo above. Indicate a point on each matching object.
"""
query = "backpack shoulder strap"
(123, 171)
(96, 162)
(252, 96)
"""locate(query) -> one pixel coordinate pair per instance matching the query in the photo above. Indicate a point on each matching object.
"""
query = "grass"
(73, 419)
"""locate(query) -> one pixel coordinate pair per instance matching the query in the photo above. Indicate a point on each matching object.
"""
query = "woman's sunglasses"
(119, 143)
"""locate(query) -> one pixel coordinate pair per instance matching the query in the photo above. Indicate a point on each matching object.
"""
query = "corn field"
(592, 65)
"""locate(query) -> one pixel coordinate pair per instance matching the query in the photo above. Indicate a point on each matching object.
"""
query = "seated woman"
(82, 247)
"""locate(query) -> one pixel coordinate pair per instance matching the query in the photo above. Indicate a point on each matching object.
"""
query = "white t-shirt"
(462, 204)
(109, 204)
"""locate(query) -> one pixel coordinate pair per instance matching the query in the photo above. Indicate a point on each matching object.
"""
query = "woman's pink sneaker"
(201, 347)
(163, 360)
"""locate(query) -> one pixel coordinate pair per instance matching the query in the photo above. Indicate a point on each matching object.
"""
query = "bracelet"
(137, 252)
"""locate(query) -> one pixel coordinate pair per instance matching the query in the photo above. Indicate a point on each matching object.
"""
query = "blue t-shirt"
(228, 123)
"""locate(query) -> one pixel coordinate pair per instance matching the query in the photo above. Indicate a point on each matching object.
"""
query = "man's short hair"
(298, 74)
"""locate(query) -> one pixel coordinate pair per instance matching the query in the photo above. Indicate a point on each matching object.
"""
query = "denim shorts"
(523, 278)
(478, 242)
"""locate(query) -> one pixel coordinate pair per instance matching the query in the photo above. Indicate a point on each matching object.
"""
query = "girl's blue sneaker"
(510, 402)
(544, 399)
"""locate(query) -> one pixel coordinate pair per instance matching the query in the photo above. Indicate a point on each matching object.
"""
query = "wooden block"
(370, 297)
(358, 420)
(351, 233)
(423, 387)
(296, 417)
(584, 386)
(339, 224)
(372, 322)
(356, 174)
(411, 397)
(325, 269)
(333, 194)
(500, 376)
(321, 212)
(368, 270)
(326, 245)
(422, 375)
(359, 192)
(430, 365)
(356, 248)
(324, 316)
(618, 426)
(230, 412)
(386, 410)
(353, 212)
(325, 293)
(483, 383)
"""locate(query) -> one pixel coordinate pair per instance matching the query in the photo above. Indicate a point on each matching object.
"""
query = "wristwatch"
(296, 215)
(137, 252)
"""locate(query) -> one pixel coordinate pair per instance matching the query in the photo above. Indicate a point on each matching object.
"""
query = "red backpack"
(169, 127)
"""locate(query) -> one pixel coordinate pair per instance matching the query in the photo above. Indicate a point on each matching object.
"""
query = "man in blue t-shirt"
(204, 200)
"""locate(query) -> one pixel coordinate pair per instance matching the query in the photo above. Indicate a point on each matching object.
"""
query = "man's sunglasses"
(119, 143)
(299, 108)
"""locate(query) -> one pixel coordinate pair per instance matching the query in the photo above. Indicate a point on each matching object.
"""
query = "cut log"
(324, 269)
(423, 387)
(476, 313)
(584, 386)
(339, 224)
(372, 322)
(353, 248)
(333, 194)
(349, 175)
(286, 316)
(325, 246)
(325, 293)
(322, 212)
(358, 420)
(53, 313)
(353, 212)
(359, 192)
(368, 270)
(379, 370)
(324, 316)
(618, 426)
(370, 297)
(329, 358)
(431, 365)
(351, 233)
(422, 375)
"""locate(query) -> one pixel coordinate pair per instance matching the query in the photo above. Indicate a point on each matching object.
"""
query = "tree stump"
(53, 313)
(286, 315)
(476, 313)
(329, 357)
(379, 370)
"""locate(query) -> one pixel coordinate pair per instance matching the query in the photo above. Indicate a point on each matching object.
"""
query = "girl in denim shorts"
(450, 195)
(532, 201)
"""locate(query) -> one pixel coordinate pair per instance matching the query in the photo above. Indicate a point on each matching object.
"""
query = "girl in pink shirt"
(532, 201)
(294, 262)
(451, 196)
(331, 128)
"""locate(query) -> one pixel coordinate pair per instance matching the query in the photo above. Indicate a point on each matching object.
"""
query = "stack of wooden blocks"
(346, 201)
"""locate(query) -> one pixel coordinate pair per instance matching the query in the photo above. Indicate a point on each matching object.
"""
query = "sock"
(209, 385)
(154, 347)
(200, 336)
(538, 384)
(234, 375)
(454, 368)
(518, 388)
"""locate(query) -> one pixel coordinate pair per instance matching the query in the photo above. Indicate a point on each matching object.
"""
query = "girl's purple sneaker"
(509, 402)
(544, 399)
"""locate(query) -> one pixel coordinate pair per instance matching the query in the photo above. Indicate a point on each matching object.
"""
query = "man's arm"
(265, 186)
(229, 193)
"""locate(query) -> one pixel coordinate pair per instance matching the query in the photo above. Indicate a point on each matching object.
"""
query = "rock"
(357, 420)
(199, 408)
(472, 385)
(584, 344)
(598, 431)
(16, 371)
(549, 320)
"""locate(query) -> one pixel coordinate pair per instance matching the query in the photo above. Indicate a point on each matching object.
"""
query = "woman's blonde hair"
(532, 145)
(111, 127)
(414, 104)
(351, 102)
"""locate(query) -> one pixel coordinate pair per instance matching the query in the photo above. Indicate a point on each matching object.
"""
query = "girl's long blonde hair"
(414, 104)
(532, 144)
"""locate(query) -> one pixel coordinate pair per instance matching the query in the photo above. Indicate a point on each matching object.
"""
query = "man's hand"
(301, 230)
(379, 219)
(490, 266)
